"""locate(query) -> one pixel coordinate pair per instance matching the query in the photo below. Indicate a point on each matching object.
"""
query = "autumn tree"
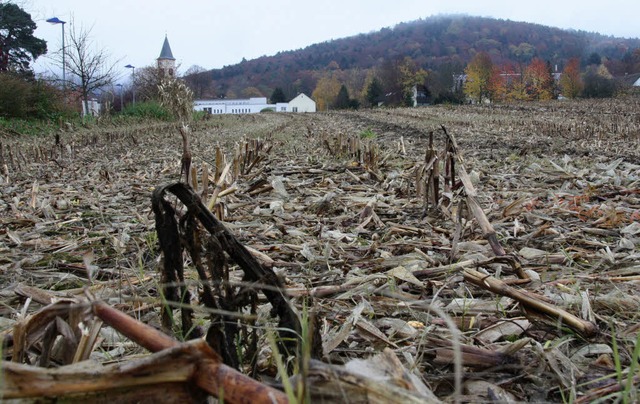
(523, 53)
(252, 91)
(497, 86)
(333, 65)
(399, 77)
(21, 95)
(479, 72)
(570, 81)
(326, 92)
(632, 61)
(18, 46)
(354, 79)
(539, 80)
(410, 75)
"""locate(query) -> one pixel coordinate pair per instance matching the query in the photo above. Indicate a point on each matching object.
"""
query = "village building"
(629, 82)
(302, 103)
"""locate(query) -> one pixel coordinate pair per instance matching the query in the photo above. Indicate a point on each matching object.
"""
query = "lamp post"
(133, 86)
(54, 21)
(121, 103)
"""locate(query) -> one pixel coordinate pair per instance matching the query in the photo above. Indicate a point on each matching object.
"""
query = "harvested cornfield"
(473, 253)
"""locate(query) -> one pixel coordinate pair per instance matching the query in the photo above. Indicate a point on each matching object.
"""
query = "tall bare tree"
(198, 79)
(147, 80)
(91, 66)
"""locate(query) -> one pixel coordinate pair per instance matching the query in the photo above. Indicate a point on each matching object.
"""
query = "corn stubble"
(447, 253)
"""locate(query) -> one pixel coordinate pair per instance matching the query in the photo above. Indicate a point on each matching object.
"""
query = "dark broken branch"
(264, 278)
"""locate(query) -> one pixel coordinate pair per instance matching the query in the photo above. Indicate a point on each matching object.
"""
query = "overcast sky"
(215, 33)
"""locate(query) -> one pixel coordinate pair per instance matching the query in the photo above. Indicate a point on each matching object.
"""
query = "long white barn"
(254, 105)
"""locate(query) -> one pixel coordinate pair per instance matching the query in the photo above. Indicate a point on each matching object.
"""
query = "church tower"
(166, 61)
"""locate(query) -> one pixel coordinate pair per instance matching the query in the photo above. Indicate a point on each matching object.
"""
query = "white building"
(94, 107)
(240, 106)
(302, 103)
(254, 105)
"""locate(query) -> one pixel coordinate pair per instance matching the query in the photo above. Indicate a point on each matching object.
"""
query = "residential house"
(629, 82)
(302, 103)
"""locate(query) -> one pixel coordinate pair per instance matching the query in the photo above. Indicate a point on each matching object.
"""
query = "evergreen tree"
(18, 46)
(598, 83)
(374, 92)
(594, 59)
(278, 96)
(342, 100)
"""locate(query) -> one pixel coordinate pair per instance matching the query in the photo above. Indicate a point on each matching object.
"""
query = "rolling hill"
(441, 45)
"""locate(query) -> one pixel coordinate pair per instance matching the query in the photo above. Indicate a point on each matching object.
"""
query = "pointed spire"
(166, 53)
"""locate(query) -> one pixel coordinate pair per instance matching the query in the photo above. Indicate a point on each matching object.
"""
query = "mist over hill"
(441, 45)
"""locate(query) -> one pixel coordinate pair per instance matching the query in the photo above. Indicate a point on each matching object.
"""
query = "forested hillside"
(440, 46)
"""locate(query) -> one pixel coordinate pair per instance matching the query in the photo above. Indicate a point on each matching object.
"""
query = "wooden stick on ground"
(212, 375)
(586, 328)
(126, 381)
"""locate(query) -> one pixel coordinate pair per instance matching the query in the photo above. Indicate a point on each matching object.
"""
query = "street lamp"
(121, 103)
(54, 21)
(133, 86)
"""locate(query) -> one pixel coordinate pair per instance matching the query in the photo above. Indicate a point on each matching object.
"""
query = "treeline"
(486, 81)
(440, 46)
(21, 94)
